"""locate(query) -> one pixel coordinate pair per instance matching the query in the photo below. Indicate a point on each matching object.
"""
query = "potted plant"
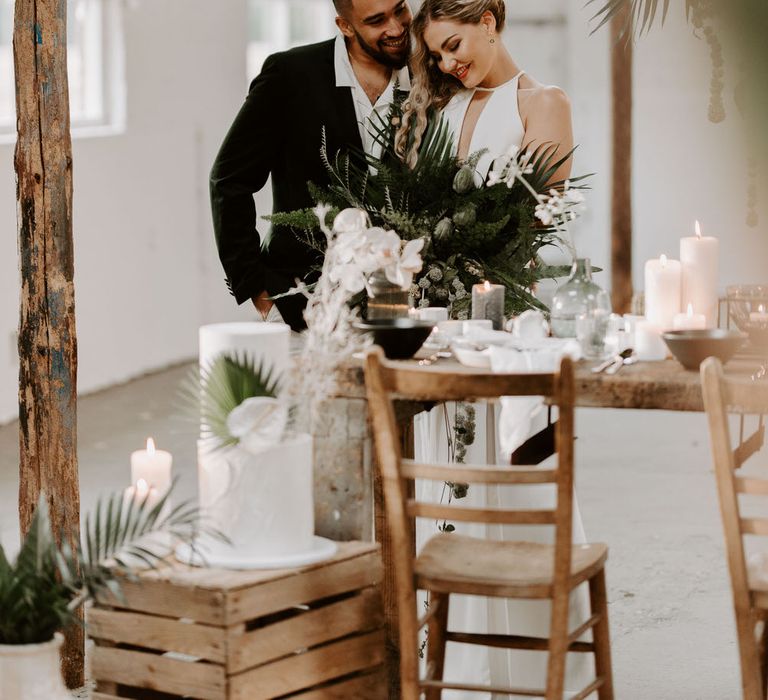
(43, 590)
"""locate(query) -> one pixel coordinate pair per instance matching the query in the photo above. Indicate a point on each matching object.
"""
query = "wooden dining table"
(663, 385)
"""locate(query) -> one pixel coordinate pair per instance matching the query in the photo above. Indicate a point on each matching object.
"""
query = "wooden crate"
(310, 633)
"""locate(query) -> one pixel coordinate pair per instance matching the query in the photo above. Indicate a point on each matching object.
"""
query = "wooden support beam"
(47, 341)
(621, 190)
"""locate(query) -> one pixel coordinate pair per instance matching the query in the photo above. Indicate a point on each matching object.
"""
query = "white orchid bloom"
(350, 220)
(350, 276)
(494, 178)
(405, 263)
(544, 214)
(258, 423)
(385, 245)
(348, 244)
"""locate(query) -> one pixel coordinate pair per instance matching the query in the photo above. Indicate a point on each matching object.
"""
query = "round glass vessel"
(578, 295)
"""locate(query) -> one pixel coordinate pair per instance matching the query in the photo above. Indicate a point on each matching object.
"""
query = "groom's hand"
(263, 304)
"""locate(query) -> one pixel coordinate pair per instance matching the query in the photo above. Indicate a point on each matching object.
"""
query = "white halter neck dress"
(499, 126)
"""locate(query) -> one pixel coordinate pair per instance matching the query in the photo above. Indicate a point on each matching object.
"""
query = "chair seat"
(452, 563)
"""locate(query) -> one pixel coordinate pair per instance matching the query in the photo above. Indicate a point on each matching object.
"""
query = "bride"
(462, 69)
(461, 66)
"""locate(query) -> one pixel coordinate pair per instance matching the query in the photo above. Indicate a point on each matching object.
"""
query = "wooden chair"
(740, 397)
(452, 563)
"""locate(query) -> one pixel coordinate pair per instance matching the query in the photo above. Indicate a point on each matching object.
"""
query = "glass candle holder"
(385, 299)
(598, 334)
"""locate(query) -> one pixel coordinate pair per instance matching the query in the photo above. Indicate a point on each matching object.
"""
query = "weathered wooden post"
(621, 190)
(47, 341)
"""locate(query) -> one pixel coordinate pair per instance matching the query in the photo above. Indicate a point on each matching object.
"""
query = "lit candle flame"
(690, 310)
(150, 446)
(663, 260)
(487, 286)
(698, 230)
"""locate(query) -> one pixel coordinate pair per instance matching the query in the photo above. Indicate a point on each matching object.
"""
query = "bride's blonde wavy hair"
(430, 87)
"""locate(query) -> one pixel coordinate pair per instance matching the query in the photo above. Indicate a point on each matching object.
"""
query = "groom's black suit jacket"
(278, 132)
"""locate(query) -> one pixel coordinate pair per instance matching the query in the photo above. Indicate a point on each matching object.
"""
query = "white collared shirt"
(364, 110)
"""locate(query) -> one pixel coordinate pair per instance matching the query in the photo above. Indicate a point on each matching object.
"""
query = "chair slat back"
(725, 397)
(472, 473)
(752, 486)
(435, 511)
(387, 382)
(438, 384)
(753, 526)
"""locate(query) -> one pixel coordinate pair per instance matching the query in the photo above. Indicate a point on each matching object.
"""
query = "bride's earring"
(492, 40)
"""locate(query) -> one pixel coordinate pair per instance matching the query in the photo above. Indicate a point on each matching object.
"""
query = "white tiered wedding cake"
(259, 494)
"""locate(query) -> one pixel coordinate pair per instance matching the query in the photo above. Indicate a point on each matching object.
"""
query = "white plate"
(321, 550)
(480, 359)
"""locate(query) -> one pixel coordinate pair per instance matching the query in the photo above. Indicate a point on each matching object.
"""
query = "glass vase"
(577, 296)
(385, 299)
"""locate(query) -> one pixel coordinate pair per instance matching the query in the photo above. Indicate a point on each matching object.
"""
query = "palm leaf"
(640, 17)
(223, 385)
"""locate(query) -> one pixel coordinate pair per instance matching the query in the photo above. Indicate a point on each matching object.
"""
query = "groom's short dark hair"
(342, 6)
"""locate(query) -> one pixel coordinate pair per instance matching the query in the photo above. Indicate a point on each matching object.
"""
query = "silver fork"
(617, 358)
(616, 366)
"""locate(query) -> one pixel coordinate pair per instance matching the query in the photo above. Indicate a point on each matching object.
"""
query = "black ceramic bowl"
(691, 348)
(400, 338)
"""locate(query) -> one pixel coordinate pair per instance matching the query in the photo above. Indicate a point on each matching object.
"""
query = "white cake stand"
(201, 555)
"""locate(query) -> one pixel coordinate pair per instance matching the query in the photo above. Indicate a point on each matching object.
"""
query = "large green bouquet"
(474, 229)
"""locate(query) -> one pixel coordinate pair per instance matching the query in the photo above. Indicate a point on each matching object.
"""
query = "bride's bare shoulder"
(534, 96)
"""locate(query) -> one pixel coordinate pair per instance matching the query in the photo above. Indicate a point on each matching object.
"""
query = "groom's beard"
(386, 58)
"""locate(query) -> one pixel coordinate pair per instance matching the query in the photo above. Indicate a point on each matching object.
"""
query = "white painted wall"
(685, 168)
(146, 270)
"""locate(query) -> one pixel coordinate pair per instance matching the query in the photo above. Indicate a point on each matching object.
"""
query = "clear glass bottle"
(385, 299)
(578, 295)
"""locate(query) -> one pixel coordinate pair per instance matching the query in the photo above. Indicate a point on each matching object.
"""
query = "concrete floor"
(645, 486)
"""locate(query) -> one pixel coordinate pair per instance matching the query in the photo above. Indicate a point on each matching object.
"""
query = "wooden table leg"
(388, 582)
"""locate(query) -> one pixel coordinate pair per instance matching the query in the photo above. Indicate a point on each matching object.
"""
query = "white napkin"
(531, 325)
(517, 412)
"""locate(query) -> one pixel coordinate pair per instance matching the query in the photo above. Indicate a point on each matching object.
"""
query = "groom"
(336, 85)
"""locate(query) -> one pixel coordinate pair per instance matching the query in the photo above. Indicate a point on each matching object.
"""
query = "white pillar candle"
(759, 316)
(153, 466)
(159, 543)
(699, 258)
(631, 321)
(689, 321)
(663, 284)
(488, 303)
(649, 345)
(139, 491)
